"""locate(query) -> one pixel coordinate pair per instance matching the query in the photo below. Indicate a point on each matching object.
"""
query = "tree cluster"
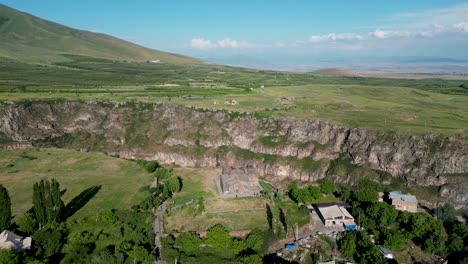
(217, 245)
(310, 194)
(168, 183)
(394, 229)
(356, 245)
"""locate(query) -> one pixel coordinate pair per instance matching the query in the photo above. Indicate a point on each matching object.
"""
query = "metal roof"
(397, 195)
(334, 211)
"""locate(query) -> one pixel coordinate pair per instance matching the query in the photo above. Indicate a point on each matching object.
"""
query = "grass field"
(235, 214)
(119, 180)
(413, 106)
(196, 183)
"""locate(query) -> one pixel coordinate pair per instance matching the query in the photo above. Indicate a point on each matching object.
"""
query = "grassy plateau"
(412, 106)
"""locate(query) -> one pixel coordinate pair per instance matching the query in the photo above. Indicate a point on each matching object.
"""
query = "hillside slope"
(31, 39)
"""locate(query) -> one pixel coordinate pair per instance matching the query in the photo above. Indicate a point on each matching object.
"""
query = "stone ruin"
(238, 182)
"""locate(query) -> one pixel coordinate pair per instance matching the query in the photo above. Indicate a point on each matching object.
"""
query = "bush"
(149, 166)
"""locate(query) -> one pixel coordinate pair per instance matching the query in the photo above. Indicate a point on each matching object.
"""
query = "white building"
(335, 215)
(13, 242)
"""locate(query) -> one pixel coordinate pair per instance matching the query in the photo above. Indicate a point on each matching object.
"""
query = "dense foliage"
(5, 209)
(47, 202)
(217, 246)
(397, 229)
(310, 194)
(357, 245)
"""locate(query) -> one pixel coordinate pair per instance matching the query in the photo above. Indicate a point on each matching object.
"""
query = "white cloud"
(201, 43)
(463, 26)
(383, 34)
(227, 43)
(335, 37)
(233, 44)
(379, 34)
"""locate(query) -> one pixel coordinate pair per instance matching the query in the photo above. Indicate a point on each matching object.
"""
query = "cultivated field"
(117, 181)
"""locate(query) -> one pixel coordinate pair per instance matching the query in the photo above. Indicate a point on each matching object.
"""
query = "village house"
(402, 202)
(13, 242)
(336, 215)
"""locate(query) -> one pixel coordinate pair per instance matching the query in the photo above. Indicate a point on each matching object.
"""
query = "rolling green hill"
(31, 39)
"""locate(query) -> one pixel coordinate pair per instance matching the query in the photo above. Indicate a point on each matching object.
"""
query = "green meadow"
(117, 181)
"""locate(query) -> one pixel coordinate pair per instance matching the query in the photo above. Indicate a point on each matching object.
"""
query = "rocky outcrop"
(279, 149)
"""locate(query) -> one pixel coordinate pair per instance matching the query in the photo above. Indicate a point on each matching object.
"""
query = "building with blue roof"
(403, 202)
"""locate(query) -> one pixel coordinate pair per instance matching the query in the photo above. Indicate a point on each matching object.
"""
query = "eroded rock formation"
(277, 149)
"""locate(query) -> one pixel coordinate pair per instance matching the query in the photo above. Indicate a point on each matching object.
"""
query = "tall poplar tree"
(47, 202)
(5, 209)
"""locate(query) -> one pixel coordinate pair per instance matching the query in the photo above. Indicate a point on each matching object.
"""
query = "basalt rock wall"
(278, 149)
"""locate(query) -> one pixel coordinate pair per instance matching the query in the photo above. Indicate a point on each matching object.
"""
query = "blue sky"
(296, 29)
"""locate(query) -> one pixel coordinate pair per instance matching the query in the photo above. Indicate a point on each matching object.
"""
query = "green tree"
(382, 213)
(255, 241)
(283, 221)
(27, 223)
(314, 193)
(47, 202)
(366, 195)
(163, 173)
(251, 259)
(347, 245)
(48, 242)
(455, 243)
(139, 254)
(371, 255)
(218, 237)
(149, 166)
(237, 246)
(344, 192)
(5, 209)
(188, 243)
(173, 184)
(8, 257)
(293, 191)
(269, 214)
(327, 186)
(393, 239)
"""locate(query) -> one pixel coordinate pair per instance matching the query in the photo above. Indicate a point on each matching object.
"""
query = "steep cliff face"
(278, 149)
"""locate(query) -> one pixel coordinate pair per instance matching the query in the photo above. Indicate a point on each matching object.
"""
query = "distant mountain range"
(31, 39)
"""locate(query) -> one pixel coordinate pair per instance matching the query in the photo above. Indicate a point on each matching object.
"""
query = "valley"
(111, 152)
